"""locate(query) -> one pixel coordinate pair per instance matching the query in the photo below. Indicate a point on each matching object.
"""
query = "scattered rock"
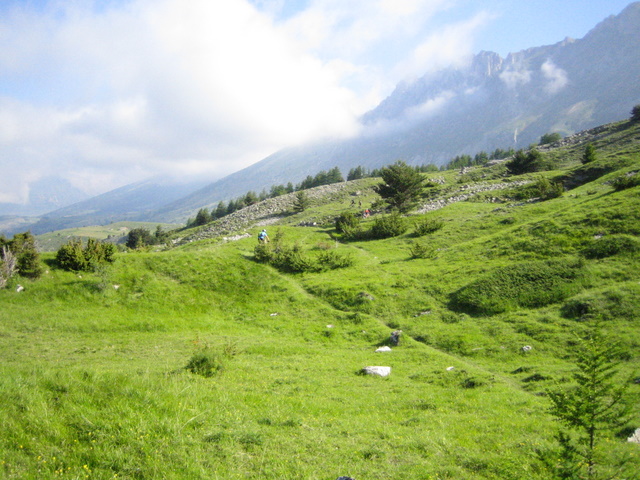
(383, 349)
(116, 287)
(526, 348)
(19, 288)
(329, 326)
(450, 369)
(379, 371)
(395, 337)
(635, 438)
(274, 314)
(366, 296)
(345, 478)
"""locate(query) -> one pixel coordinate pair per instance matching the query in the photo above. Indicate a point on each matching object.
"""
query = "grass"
(51, 242)
(102, 382)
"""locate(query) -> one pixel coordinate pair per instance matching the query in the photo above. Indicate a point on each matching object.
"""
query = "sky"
(104, 93)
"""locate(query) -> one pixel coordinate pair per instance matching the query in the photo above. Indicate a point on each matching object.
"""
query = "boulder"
(635, 438)
(383, 349)
(379, 371)
(395, 337)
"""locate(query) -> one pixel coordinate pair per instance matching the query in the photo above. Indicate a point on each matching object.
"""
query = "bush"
(526, 285)
(346, 221)
(611, 245)
(421, 250)
(388, 226)
(626, 181)
(331, 260)
(206, 363)
(427, 225)
(290, 259)
(531, 161)
(542, 189)
(72, 256)
(25, 254)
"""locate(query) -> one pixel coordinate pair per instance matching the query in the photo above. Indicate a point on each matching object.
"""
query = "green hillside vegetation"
(113, 232)
(207, 361)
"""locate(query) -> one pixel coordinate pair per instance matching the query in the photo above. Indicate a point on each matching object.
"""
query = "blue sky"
(105, 93)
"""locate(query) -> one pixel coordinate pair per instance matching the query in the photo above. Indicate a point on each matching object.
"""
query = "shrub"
(206, 363)
(346, 221)
(388, 226)
(27, 258)
(527, 285)
(421, 250)
(611, 245)
(331, 260)
(427, 225)
(626, 181)
(589, 154)
(542, 189)
(291, 259)
(72, 256)
(531, 161)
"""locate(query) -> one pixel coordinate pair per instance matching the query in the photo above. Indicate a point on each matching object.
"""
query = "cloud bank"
(108, 93)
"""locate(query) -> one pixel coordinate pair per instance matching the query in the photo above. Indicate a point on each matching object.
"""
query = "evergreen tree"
(202, 217)
(635, 113)
(250, 198)
(277, 190)
(589, 154)
(334, 176)
(401, 186)
(549, 138)
(24, 248)
(221, 209)
(301, 202)
(139, 238)
(531, 161)
(590, 410)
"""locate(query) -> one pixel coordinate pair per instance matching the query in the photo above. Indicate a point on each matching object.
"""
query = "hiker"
(263, 237)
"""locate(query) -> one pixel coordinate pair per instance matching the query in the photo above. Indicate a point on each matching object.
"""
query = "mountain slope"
(131, 202)
(492, 103)
(200, 362)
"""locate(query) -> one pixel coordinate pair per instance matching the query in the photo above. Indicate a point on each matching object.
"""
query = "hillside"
(493, 102)
(567, 87)
(95, 381)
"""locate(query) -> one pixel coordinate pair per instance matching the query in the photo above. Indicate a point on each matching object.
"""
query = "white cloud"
(143, 87)
(514, 78)
(156, 87)
(449, 46)
(556, 77)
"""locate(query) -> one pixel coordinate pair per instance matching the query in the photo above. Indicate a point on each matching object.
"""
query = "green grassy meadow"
(93, 381)
(115, 232)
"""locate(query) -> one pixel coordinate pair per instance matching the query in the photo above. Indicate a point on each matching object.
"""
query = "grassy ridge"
(94, 385)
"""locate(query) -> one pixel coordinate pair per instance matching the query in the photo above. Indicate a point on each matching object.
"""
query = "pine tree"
(300, 202)
(401, 186)
(590, 410)
(589, 154)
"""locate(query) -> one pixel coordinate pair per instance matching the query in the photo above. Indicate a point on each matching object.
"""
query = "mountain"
(131, 202)
(492, 103)
(45, 195)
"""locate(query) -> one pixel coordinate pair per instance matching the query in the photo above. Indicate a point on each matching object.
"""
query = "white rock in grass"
(20, 288)
(383, 349)
(635, 438)
(379, 371)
